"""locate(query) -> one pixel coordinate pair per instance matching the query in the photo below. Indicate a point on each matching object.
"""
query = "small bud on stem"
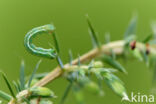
(133, 44)
(147, 49)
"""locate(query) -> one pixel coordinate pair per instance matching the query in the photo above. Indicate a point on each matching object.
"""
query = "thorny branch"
(116, 47)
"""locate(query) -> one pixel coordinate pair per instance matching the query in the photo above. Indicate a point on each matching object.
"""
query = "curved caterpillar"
(48, 29)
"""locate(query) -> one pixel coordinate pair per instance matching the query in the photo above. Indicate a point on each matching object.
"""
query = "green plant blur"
(17, 17)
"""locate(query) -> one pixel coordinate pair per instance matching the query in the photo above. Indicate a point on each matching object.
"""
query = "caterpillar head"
(49, 27)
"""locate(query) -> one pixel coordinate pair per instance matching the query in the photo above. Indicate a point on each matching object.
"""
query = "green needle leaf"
(70, 57)
(56, 42)
(79, 62)
(113, 54)
(131, 30)
(22, 76)
(8, 84)
(154, 30)
(26, 100)
(148, 38)
(107, 38)
(66, 93)
(16, 86)
(40, 75)
(33, 74)
(60, 62)
(92, 32)
(109, 60)
(5, 96)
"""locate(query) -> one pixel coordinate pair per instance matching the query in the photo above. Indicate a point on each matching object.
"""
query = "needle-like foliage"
(93, 34)
(70, 57)
(8, 85)
(5, 96)
(22, 76)
(131, 30)
(33, 74)
(81, 76)
(109, 60)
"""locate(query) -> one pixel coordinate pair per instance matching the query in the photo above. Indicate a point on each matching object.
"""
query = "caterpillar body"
(48, 29)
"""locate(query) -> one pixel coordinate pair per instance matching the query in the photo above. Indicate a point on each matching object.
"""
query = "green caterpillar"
(49, 53)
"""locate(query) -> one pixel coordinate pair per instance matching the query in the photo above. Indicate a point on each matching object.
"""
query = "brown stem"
(38, 100)
(116, 47)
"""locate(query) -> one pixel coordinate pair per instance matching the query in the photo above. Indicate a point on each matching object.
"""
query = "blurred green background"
(17, 17)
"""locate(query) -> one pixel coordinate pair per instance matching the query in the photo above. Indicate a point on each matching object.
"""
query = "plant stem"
(116, 46)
